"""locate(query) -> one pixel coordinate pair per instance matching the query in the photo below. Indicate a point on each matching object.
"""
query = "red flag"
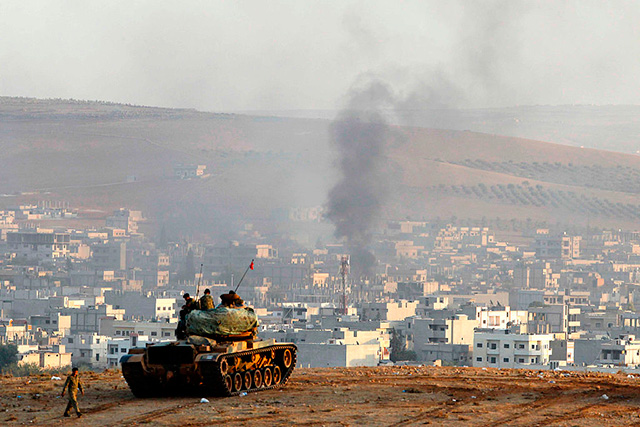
(251, 266)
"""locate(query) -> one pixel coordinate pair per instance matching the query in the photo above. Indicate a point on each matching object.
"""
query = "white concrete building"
(500, 317)
(624, 351)
(87, 349)
(87, 319)
(118, 347)
(334, 354)
(38, 246)
(498, 348)
(338, 347)
(144, 306)
(399, 310)
(156, 331)
(53, 323)
(53, 357)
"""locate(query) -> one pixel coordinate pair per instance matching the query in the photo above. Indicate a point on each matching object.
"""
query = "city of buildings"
(440, 293)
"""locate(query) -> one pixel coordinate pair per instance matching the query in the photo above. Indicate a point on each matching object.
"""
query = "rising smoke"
(360, 133)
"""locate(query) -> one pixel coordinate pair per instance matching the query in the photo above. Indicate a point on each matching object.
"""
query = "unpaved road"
(386, 396)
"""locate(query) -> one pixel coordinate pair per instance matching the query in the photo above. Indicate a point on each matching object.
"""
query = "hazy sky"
(244, 55)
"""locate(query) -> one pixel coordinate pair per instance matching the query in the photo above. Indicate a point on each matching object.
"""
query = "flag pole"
(245, 273)
(199, 279)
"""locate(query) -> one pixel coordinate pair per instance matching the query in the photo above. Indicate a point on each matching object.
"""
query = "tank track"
(253, 370)
(228, 388)
(139, 383)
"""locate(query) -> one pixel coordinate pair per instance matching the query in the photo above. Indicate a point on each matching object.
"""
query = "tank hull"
(224, 369)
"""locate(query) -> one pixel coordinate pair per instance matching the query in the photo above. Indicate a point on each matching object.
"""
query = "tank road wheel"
(237, 382)
(228, 382)
(277, 375)
(257, 378)
(224, 366)
(287, 358)
(248, 380)
(268, 377)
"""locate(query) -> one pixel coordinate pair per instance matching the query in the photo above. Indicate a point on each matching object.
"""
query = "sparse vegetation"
(541, 196)
(620, 178)
(8, 355)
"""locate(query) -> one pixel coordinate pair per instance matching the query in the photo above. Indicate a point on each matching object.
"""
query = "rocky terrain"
(384, 396)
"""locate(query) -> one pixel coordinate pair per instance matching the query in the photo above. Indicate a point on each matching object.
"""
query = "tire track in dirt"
(157, 413)
(542, 406)
(581, 411)
(428, 413)
(524, 410)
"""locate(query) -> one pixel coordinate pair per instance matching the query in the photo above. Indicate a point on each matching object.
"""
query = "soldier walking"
(72, 385)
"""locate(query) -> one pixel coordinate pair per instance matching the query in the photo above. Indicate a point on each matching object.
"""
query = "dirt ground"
(385, 396)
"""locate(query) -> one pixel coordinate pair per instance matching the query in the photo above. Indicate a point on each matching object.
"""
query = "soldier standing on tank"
(206, 301)
(72, 385)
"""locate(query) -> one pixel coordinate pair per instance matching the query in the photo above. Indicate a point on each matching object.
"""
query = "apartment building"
(399, 310)
(498, 348)
(87, 349)
(39, 245)
(155, 331)
(624, 351)
(118, 347)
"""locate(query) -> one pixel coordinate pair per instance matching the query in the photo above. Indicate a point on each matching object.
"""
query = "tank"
(222, 365)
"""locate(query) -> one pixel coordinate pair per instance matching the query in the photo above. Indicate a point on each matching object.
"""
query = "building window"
(117, 332)
(494, 346)
(478, 359)
(505, 360)
(479, 345)
(154, 334)
(493, 360)
(70, 340)
(506, 346)
(123, 350)
(521, 360)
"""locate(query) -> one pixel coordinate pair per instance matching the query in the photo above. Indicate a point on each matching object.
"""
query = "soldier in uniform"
(189, 305)
(231, 300)
(72, 385)
(206, 301)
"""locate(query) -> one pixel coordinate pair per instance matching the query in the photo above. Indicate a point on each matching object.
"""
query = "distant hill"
(604, 127)
(102, 156)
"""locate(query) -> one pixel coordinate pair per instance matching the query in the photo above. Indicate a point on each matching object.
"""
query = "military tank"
(216, 358)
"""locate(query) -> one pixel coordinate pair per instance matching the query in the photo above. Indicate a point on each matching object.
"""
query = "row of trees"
(619, 178)
(540, 196)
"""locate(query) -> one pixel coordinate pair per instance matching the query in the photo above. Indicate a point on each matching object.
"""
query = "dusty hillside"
(103, 156)
(400, 396)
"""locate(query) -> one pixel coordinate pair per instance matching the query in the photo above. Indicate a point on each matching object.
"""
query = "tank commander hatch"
(231, 300)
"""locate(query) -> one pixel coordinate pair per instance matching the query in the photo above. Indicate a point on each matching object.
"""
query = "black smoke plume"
(361, 133)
